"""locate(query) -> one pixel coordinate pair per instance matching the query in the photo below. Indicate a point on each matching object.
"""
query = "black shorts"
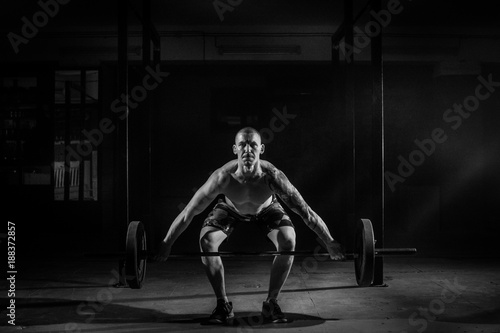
(225, 218)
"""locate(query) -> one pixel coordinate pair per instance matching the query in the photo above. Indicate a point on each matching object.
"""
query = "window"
(76, 111)
(24, 135)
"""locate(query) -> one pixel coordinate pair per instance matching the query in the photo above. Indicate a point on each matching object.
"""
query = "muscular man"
(250, 187)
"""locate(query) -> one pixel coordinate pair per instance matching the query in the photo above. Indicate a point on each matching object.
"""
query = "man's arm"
(200, 201)
(282, 187)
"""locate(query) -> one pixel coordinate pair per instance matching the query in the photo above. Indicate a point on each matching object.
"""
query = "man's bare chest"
(254, 192)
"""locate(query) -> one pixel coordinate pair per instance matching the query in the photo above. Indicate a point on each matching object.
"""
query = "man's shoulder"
(269, 169)
(229, 167)
(222, 173)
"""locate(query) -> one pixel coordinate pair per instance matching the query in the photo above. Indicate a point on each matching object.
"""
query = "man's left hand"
(336, 250)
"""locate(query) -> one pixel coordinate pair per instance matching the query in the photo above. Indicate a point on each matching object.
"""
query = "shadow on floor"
(50, 311)
(255, 321)
(181, 297)
(246, 293)
(92, 286)
(58, 284)
(480, 317)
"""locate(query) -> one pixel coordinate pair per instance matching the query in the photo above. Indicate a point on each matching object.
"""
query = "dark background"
(433, 53)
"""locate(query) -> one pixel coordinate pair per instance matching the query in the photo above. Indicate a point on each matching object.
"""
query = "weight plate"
(135, 267)
(364, 247)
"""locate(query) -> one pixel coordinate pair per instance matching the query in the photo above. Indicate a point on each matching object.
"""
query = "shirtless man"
(250, 186)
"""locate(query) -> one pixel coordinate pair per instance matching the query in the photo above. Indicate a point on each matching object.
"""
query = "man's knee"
(210, 240)
(287, 244)
(286, 239)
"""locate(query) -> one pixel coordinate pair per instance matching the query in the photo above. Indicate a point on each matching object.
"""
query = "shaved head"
(248, 147)
(246, 130)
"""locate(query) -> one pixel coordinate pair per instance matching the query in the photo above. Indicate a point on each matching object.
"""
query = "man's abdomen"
(249, 207)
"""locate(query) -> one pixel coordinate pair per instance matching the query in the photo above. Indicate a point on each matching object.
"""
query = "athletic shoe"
(271, 312)
(223, 313)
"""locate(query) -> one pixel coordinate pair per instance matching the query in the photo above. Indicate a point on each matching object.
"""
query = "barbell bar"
(137, 255)
(348, 256)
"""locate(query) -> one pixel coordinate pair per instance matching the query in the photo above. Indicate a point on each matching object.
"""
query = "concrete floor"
(423, 295)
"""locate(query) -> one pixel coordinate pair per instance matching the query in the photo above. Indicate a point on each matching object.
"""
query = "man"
(250, 186)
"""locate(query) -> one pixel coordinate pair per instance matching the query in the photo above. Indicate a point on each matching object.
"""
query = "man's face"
(248, 147)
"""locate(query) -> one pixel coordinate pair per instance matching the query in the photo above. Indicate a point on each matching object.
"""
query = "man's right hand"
(163, 252)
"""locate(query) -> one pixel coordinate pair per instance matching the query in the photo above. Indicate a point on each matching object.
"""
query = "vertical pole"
(156, 51)
(350, 110)
(338, 96)
(123, 149)
(67, 137)
(83, 93)
(378, 147)
(146, 32)
(146, 111)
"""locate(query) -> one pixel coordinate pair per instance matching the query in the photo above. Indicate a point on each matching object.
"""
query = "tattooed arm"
(282, 187)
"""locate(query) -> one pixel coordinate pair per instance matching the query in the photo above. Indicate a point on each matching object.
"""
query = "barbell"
(364, 256)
